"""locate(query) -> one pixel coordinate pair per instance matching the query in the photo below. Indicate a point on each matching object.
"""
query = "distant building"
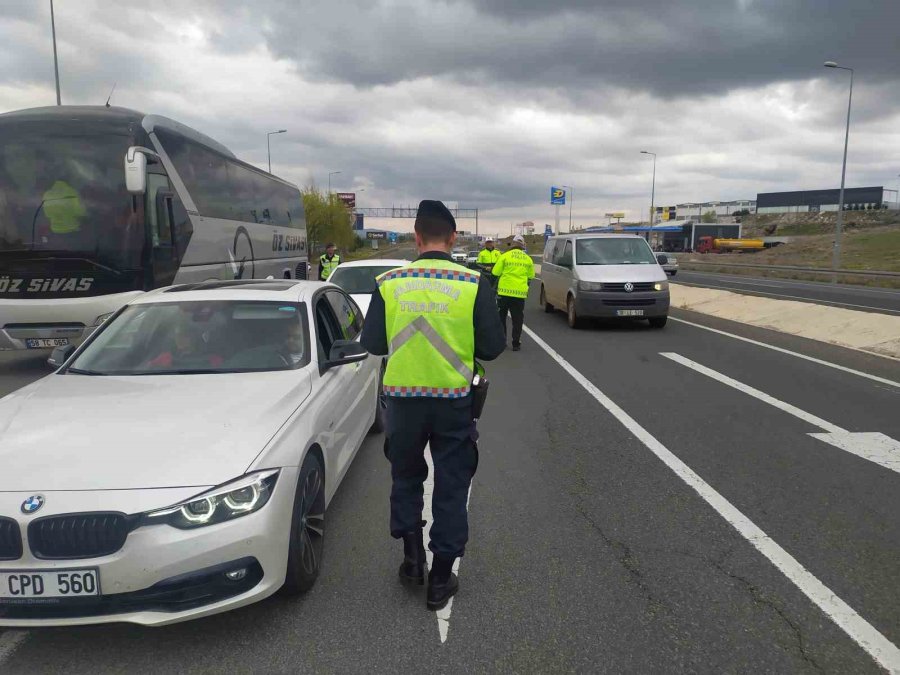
(814, 201)
(695, 210)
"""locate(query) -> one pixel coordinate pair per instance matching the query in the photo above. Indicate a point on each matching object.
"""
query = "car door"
(548, 270)
(563, 263)
(333, 391)
(360, 394)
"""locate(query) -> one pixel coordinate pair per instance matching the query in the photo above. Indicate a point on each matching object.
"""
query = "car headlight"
(590, 286)
(226, 502)
(661, 286)
(103, 317)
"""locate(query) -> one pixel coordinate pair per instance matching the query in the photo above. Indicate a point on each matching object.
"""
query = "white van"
(604, 275)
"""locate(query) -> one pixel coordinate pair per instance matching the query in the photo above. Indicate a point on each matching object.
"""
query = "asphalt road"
(862, 298)
(590, 552)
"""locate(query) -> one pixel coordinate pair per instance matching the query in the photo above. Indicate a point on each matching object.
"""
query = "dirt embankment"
(793, 224)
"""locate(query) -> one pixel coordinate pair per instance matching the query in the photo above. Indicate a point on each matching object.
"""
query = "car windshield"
(612, 251)
(359, 279)
(199, 337)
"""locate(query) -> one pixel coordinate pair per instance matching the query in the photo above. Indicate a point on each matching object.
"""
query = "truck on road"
(718, 245)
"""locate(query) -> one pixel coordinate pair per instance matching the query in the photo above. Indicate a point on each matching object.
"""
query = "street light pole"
(652, 193)
(570, 196)
(55, 59)
(269, 145)
(330, 174)
(836, 259)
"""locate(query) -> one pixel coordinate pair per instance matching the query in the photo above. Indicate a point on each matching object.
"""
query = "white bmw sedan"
(180, 463)
(358, 277)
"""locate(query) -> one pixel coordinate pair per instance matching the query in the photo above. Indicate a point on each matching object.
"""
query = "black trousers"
(447, 427)
(516, 308)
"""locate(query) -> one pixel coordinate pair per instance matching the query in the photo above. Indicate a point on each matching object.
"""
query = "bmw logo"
(33, 504)
(629, 287)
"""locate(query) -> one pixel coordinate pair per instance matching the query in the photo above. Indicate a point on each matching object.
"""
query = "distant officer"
(434, 317)
(487, 258)
(514, 270)
(328, 262)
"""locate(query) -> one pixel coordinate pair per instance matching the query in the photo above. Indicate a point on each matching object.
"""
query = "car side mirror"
(60, 355)
(662, 259)
(344, 352)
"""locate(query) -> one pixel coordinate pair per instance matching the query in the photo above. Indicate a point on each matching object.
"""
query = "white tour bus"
(98, 205)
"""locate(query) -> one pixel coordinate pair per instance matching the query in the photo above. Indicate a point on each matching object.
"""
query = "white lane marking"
(829, 364)
(10, 642)
(843, 615)
(803, 298)
(443, 615)
(872, 446)
(756, 393)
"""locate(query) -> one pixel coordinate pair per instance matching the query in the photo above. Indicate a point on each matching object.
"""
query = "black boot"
(442, 583)
(412, 570)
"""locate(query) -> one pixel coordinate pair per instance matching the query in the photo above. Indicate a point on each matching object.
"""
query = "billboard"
(349, 199)
(557, 196)
(375, 234)
(616, 214)
(665, 212)
(359, 223)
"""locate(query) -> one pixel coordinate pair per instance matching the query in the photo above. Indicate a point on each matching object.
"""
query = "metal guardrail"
(793, 268)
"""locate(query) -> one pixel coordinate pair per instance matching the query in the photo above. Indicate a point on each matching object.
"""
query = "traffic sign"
(557, 196)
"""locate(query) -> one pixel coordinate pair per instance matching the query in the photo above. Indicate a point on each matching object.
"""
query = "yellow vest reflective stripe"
(515, 268)
(429, 307)
(328, 266)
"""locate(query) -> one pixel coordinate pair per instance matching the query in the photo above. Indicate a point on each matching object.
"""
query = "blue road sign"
(557, 196)
(392, 237)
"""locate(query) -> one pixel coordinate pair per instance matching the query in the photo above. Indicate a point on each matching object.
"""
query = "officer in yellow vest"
(487, 258)
(514, 270)
(328, 262)
(434, 317)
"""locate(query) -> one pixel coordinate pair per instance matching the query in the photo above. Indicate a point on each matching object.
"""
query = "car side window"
(327, 328)
(349, 316)
(548, 251)
(564, 259)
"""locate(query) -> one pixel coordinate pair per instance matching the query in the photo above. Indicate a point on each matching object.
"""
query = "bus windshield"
(62, 193)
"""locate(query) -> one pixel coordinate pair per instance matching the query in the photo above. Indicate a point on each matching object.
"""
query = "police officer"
(514, 270)
(434, 317)
(487, 257)
(328, 262)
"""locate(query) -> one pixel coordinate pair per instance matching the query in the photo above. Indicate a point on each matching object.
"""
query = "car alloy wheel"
(307, 529)
(571, 314)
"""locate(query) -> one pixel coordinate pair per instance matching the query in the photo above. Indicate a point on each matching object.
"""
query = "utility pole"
(269, 145)
(652, 193)
(55, 58)
(836, 260)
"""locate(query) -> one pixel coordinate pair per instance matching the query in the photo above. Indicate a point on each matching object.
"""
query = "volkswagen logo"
(629, 287)
(33, 504)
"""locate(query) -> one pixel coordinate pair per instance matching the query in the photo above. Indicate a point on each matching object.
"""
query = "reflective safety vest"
(428, 309)
(326, 266)
(515, 269)
(63, 208)
(487, 257)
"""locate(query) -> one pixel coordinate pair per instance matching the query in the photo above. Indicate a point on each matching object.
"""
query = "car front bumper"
(163, 575)
(605, 304)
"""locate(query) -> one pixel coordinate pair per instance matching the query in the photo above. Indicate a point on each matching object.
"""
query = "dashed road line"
(876, 645)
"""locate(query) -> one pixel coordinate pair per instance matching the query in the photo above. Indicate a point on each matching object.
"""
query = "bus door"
(160, 219)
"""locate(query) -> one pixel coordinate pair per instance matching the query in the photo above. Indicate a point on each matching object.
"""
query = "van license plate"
(22, 584)
(43, 343)
(630, 312)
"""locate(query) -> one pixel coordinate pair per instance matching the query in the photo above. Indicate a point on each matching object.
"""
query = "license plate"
(27, 584)
(41, 343)
(630, 312)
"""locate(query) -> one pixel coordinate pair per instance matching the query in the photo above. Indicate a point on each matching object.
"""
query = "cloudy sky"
(490, 102)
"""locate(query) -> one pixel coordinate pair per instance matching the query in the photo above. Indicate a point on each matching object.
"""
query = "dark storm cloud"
(666, 48)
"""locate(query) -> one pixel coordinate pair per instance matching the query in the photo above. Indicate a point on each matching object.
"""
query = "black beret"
(434, 213)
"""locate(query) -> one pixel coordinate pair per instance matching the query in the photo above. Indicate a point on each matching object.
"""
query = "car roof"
(598, 235)
(284, 290)
(375, 262)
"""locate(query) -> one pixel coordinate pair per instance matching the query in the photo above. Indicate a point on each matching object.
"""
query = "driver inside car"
(188, 351)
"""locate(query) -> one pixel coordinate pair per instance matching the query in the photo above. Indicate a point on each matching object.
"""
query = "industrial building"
(695, 210)
(815, 201)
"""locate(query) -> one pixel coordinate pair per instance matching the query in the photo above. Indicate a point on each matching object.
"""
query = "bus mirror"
(135, 171)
